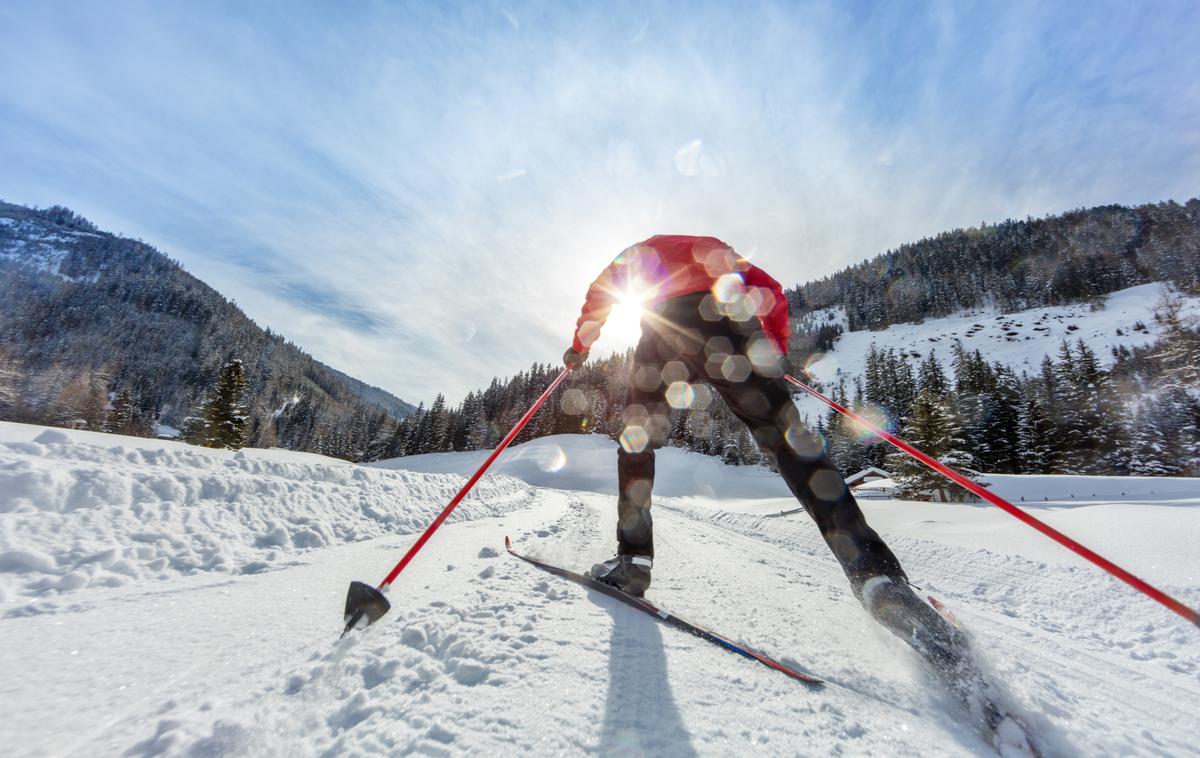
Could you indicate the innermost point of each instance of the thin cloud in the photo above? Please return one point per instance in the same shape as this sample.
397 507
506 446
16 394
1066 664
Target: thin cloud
419 196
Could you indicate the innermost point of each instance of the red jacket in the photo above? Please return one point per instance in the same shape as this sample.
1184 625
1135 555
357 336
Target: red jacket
670 265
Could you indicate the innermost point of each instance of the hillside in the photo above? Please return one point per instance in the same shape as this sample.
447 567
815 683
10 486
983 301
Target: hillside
1021 340
1016 265
85 315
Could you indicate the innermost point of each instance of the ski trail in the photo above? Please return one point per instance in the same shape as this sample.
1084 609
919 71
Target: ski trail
1078 699
483 653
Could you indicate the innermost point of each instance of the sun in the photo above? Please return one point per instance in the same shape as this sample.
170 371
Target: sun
624 325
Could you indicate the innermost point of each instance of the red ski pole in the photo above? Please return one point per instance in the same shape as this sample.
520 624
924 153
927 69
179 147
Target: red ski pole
365 600
1138 584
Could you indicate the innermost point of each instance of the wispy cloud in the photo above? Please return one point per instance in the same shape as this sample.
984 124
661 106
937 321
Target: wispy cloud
420 195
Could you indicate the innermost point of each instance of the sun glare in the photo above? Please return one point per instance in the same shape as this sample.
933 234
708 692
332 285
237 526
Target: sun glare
624 325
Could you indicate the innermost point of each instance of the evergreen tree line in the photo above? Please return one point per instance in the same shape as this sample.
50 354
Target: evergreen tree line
1016 265
1071 417
592 400
1141 417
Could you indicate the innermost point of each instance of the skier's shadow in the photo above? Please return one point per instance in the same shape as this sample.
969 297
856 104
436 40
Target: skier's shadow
640 716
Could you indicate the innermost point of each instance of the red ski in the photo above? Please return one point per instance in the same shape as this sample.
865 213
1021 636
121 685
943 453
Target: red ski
669 619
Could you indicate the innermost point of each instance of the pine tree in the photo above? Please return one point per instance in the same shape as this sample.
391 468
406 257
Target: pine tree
439 426
1036 440
931 428
972 400
195 424
931 377
225 414
123 416
841 439
1001 427
1149 451
1072 417
8 381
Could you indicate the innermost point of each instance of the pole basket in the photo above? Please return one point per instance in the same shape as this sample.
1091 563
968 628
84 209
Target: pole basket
364 602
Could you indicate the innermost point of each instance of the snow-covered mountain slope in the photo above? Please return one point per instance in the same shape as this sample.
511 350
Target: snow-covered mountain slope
484 654
1019 340
40 248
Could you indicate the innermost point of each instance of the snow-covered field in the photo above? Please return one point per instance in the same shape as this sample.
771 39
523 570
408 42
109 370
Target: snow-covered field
1020 340
165 599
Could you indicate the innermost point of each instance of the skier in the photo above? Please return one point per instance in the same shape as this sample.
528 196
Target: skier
711 316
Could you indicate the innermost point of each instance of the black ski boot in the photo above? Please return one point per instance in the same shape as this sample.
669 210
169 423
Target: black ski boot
939 642
628 573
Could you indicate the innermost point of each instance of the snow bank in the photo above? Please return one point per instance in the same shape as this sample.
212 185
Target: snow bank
1063 489
589 463
81 509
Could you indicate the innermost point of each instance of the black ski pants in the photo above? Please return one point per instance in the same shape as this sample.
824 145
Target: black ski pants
688 340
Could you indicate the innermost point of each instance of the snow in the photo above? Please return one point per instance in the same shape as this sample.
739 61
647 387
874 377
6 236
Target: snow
167 431
1020 340
32 246
82 514
589 462
157 601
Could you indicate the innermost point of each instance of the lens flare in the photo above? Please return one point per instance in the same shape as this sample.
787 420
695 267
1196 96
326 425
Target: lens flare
878 416
554 461
574 402
680 395
634 439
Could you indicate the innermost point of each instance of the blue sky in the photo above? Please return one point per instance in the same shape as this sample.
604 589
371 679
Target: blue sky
419 194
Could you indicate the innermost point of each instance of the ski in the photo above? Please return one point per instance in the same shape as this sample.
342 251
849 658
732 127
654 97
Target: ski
1004 729
669 619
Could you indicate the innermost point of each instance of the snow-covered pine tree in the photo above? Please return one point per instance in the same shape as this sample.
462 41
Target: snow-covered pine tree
839 437
122 416
481 435
1002 427
225 414
1102 432
439 426
931 428
1148 451
379 446
931 378
971 399
1071 418
1036 448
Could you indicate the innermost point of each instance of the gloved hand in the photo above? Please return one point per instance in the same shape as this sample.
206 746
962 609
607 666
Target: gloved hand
574 360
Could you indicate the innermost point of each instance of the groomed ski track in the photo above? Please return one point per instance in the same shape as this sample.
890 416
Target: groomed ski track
484 653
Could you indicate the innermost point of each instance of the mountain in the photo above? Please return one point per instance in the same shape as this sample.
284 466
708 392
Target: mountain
373 395
86 315
1016 265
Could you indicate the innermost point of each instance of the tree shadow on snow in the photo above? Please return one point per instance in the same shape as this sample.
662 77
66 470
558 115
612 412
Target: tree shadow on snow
640 716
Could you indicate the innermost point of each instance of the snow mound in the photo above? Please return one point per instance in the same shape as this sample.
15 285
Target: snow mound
77 514
589 463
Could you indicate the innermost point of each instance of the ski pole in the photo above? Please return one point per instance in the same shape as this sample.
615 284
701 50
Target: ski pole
1133 581
365 600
